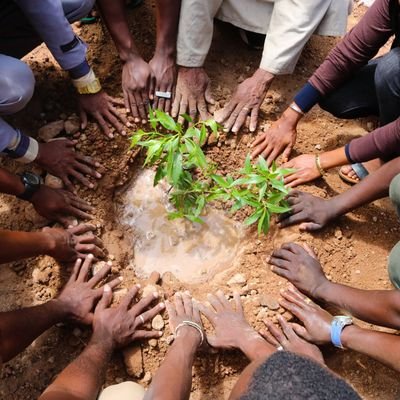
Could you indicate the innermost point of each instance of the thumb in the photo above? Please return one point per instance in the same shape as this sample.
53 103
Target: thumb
300 330
286 153
309 226
106 298
208 96
83 117
213 341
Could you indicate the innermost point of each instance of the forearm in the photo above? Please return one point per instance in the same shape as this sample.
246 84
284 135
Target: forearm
83 378
20 327
20 245
371 188
254 346
167 13
173 380
334 158
114 15
383 347
380 307
10 183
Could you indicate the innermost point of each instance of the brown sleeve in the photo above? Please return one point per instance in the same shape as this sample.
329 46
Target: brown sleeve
382 143
355 50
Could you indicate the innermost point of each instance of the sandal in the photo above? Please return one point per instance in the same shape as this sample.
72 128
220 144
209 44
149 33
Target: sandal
360 171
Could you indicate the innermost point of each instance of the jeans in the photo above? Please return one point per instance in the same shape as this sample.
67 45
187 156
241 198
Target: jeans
373 90
394 257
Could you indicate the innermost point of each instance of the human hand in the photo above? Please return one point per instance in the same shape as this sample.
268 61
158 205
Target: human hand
193 94
232 331
316 321
311 212
80 294
119 326
101 107
300 266
66 245
60 159
164 70
279 138
58 204
305 170
185 309
287 339
137 80
247 99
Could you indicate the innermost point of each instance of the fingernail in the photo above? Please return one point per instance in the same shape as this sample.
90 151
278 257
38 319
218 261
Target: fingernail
97 164
121 278
128 124
98 175
138 285
109 263
162 305
107 288
70 226
155 294
137 120
144 121
160 333
90 256
127 110
91 186
111 136
123 133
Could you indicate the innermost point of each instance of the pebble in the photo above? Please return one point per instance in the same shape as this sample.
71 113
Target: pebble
149 289
157 323
318 146
77 332
147 377
238 279
153 342
51 130
375 219
53 182
269 301
72 126
338 234
170 339
133 360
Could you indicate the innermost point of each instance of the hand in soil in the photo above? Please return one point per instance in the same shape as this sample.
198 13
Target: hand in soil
76 242
164 70
290 341
60 159
193 94
279 138
119 326
137 80
58 205
299 266
101 107
311 212
246 100
80 294
228 321
306 170
184 309
316 321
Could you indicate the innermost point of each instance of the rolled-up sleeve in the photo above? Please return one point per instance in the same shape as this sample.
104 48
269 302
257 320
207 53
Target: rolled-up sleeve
48 19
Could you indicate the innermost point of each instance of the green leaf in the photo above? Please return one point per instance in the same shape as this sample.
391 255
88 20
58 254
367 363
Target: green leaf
212 124
278 209
220 181
252 179
160 174
253 217
166 121
193 218
203 135
263 222
187 118
262 164
248 168
177 168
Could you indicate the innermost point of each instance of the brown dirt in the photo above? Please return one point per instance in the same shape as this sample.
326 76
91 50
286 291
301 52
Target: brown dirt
353 251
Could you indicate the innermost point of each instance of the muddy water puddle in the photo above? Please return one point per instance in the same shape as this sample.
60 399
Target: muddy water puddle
192 252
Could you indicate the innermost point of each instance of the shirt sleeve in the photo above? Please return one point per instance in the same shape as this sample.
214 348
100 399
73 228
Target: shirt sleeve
383 143
291 26
48 19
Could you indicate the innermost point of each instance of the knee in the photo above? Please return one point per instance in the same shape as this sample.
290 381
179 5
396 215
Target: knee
77 9
394 191
17 84
394 266
388 71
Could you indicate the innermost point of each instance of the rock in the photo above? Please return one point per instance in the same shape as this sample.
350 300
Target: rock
212 139
77 332
53 182
170 339
147 377
51 130
149 289
133 360
375 219
318 146
238 279
39 276
153 342
338 234
157 323
72 126
269 301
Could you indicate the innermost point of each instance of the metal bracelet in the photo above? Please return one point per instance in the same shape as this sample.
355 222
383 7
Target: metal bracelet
192 325
318 164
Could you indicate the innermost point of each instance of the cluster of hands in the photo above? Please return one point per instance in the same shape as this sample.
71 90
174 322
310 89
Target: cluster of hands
88 300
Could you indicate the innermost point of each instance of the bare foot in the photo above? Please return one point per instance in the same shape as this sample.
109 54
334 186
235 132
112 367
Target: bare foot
370 166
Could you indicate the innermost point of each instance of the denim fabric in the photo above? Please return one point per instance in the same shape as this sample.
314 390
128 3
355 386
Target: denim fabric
394 257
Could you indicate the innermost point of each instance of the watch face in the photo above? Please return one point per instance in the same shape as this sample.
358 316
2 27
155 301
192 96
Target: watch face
31 179
343 319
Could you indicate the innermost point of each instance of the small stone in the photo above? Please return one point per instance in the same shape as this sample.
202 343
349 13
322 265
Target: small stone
170 339
269 301
53 182
133 360
375 219
72 126
77 332
238 279
153 342
51 130
39 276
338 234
148 290
147 377
157 323
357 271
318 146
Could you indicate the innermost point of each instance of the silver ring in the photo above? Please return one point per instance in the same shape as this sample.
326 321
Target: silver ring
279 348
164 95
142 319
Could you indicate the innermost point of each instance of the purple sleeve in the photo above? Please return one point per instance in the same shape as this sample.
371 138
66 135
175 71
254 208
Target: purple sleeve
383 143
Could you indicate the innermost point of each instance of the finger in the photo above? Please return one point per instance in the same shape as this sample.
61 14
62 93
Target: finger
187 303
105 300
176 104
226 112
223 300
81 204
208 95
238 302
161 103
114 122
297 182
89 248
141 305
292 248
99 276
67 183
167 107
231 120
286 153
300 331
204 114
309 227
287 329
192 108
183 106
293 308
84 270
103 124
273 156
84 119
207 312
82 228
81 178
240 120
139 335
269 338
115 282
121 117
78 213
284 273
90 238
127 300
133 107
259 139
86 169
254 118
267 151
149 315
214 301
155 102
309 250
179 307
276 333
141 98
278 262
170 310
116 101
75 270
294 219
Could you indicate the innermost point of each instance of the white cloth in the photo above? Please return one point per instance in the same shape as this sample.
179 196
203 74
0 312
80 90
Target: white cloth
288 25
123 391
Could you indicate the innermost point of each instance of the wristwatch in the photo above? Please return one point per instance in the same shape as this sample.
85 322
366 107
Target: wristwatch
32 184
337 325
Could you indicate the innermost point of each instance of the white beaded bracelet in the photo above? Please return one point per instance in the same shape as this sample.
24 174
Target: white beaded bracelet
193 325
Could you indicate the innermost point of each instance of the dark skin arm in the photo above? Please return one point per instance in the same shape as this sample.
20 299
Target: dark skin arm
113 328
301 267
313 213
75 303
173 380
64 245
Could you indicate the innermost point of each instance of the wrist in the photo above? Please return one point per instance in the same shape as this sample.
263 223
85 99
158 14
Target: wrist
264 75
165 52
188 339
323 290
46 242
129 55
348 333
253 346
291 117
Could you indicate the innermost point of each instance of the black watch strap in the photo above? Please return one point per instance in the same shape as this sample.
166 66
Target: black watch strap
31 183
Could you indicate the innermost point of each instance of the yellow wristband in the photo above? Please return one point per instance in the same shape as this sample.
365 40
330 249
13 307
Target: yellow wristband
90 88
318 164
